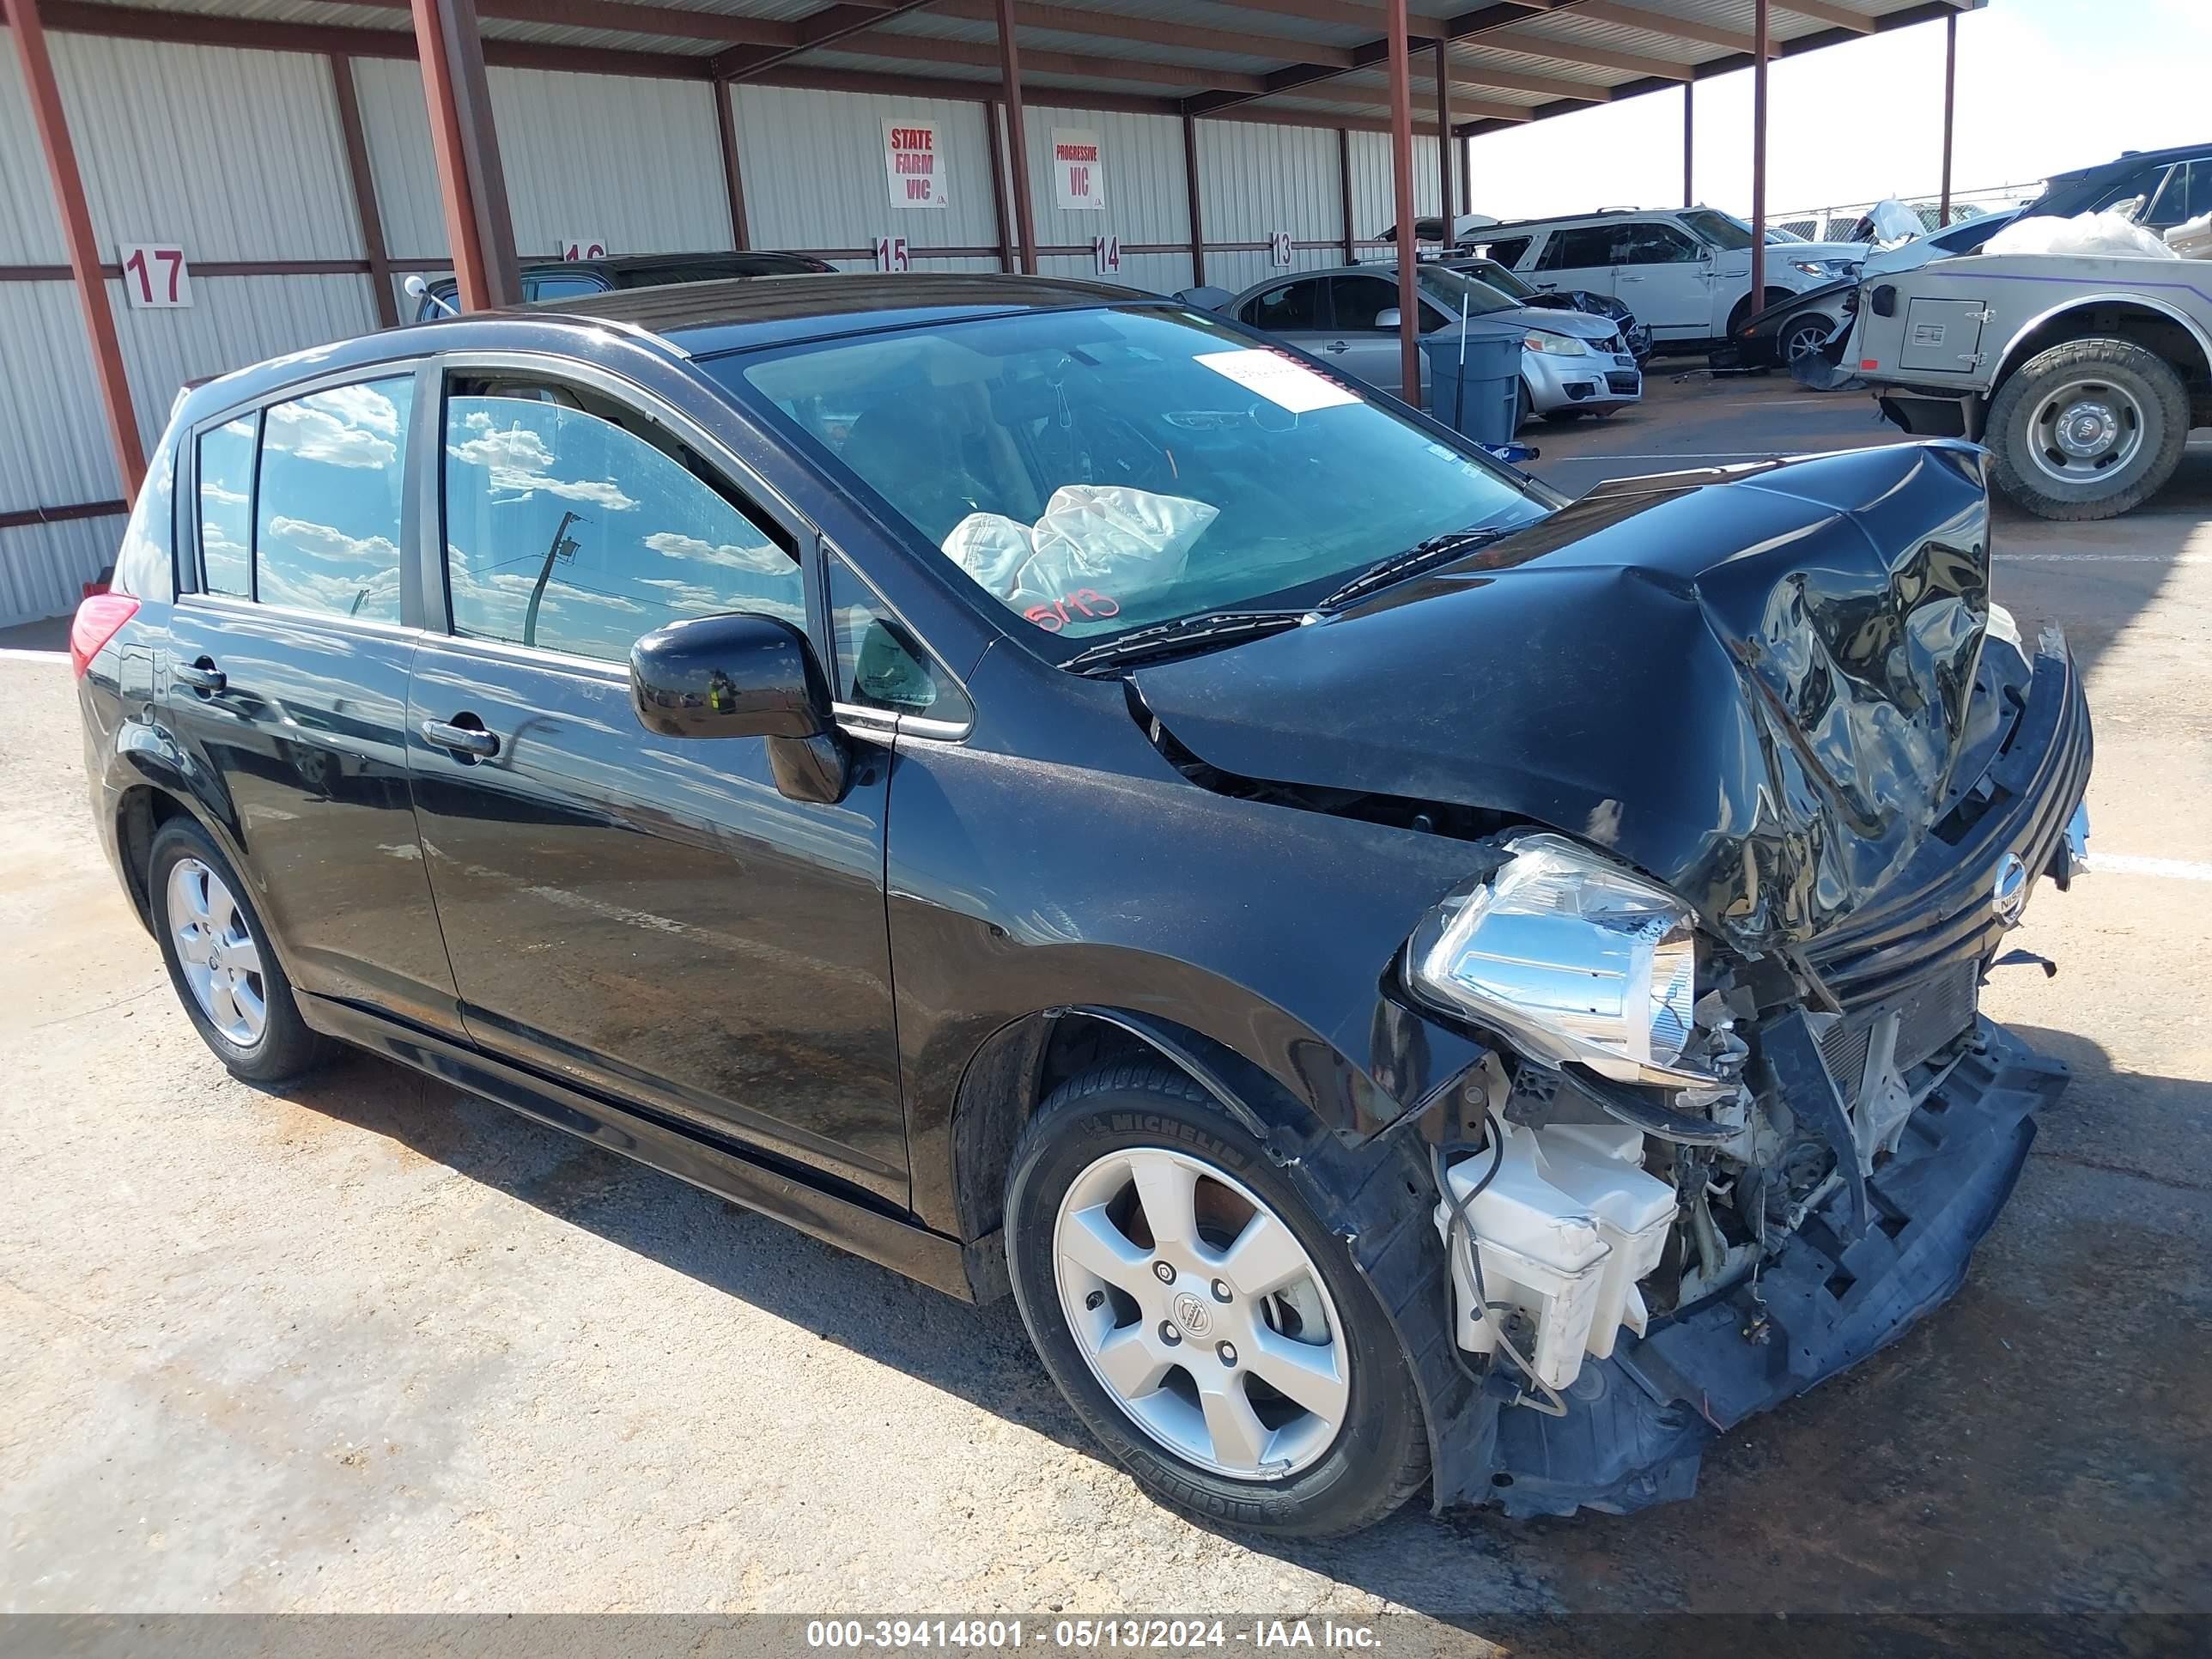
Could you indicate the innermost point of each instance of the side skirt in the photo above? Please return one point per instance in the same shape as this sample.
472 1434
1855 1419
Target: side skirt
943 1264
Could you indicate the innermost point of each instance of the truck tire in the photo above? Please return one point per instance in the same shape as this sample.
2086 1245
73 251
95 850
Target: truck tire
2088 429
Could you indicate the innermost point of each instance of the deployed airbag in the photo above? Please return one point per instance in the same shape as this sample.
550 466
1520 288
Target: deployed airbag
1091 539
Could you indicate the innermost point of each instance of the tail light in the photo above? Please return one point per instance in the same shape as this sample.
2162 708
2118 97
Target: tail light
97 620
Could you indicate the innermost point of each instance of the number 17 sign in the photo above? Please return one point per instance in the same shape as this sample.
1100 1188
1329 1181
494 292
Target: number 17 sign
154 275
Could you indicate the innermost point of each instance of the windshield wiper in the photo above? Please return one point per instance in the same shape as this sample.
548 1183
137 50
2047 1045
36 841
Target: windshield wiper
1204 630
1433 551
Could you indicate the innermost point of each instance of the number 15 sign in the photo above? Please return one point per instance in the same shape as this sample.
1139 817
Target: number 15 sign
154 276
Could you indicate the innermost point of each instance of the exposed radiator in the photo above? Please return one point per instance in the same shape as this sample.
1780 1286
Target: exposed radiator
1932 1012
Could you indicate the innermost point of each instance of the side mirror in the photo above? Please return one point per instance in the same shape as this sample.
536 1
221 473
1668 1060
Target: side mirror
737 676
1389 317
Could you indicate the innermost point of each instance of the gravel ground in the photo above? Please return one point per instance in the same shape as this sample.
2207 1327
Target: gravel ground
367 1345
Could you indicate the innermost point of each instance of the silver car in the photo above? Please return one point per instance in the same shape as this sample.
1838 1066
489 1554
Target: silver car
1572 364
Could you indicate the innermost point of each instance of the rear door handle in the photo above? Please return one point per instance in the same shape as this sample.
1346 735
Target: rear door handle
470 740
1337 347
201 676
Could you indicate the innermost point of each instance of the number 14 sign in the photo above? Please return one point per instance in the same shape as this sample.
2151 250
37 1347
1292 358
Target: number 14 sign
154 276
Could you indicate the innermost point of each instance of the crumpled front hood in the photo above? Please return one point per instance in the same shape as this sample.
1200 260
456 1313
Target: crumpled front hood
1755 686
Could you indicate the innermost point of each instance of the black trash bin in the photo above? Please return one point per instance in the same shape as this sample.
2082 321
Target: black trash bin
1480 397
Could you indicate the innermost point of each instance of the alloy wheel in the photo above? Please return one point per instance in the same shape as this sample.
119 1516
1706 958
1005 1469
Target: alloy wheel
1200 1313
220 956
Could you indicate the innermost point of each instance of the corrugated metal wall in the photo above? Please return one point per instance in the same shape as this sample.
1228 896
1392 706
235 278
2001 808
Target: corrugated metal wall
1254 180
237 155
635 162
234 154
813 166
1373 203
1147 196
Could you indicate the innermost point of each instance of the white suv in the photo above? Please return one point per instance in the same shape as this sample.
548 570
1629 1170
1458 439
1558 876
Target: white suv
1686 273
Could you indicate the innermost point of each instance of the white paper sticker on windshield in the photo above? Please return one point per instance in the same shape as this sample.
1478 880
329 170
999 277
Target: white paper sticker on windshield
1277 379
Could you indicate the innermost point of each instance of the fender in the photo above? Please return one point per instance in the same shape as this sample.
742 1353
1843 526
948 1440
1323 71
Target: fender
2173 314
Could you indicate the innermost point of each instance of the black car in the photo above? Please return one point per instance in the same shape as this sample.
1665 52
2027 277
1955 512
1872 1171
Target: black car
1637 336
1405 979
2175 186
577 279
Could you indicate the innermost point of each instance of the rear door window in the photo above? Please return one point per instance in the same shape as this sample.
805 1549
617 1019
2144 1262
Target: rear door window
326 515
575 524
1651 242
226 504
1281 310
1583 248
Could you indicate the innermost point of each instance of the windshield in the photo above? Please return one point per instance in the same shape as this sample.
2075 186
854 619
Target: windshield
1099 471
1728 234
1497 275
1449 288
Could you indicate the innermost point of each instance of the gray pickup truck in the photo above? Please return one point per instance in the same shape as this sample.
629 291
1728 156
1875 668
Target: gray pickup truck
2082 375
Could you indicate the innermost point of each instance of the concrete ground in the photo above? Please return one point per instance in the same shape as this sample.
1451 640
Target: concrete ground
369 1345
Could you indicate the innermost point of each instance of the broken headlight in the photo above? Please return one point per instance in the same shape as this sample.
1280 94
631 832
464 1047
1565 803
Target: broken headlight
1572 956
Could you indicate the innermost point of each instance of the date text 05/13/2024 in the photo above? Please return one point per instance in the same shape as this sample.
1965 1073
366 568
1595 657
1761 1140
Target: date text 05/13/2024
1104 1635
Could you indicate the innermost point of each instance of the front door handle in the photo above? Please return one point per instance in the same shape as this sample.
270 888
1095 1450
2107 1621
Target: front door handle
1336 346
473 741
201 676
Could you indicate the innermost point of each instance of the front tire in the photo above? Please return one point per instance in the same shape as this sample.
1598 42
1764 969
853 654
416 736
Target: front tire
226 973
1201 1318
2088 429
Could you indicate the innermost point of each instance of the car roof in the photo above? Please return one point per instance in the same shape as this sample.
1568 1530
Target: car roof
1491 232
707 318
2132 159
632 264
688 320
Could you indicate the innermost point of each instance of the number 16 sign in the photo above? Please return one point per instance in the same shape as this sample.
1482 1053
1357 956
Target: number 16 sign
154 275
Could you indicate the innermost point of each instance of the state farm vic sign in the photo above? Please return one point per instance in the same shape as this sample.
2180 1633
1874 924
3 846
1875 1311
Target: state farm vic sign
913 164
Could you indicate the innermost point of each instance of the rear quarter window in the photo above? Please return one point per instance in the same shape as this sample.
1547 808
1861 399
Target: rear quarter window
145 564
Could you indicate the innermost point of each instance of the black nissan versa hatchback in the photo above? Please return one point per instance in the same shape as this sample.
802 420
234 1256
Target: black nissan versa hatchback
1405 978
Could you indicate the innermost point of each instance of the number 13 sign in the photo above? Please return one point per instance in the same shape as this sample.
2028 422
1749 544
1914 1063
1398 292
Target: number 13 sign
154 276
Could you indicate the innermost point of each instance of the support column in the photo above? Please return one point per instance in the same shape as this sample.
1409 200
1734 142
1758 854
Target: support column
733 177
1401 180
466 145
1197 217
1689 143
1758 158
46 113
1010 68
993 114
364 192
1444 142
1344 193
1950 98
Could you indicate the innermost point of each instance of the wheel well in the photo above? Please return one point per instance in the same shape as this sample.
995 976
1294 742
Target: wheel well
1744 308
2117 320
139 817
1017 1070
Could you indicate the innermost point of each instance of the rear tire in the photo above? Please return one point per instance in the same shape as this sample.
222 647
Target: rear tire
220 960
1193 1360
2088 429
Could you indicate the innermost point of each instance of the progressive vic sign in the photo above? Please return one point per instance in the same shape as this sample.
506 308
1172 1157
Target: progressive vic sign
1078 177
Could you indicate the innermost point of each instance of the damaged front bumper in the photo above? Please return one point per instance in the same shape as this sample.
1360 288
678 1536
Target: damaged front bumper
1639 1422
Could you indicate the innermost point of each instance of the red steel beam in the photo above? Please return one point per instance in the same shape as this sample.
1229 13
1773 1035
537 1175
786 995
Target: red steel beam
1689 142
1444 140
1950 97
52 122
1018 147
1197 217
364 192
1344 192
1759 58
992 117
469 181
1402 172
733 176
